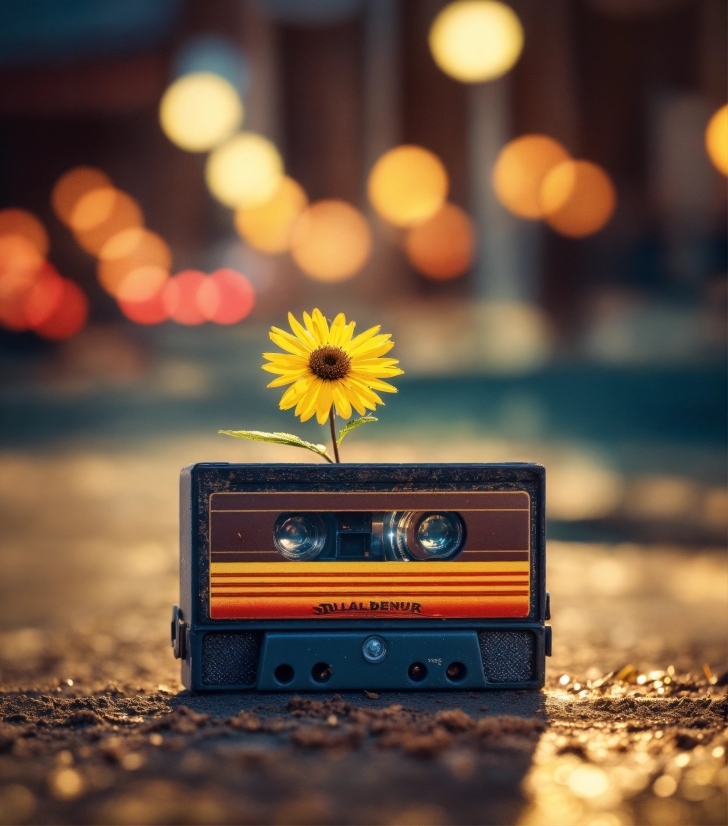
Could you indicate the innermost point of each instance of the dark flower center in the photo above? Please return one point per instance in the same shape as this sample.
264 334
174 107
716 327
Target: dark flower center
329 363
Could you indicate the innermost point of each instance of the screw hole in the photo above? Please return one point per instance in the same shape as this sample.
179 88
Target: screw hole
417 672
284 674
322 672
456 672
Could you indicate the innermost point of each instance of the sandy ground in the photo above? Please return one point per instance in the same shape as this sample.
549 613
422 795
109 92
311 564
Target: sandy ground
96 729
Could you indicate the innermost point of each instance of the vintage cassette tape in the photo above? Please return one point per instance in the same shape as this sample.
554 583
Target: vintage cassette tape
342 577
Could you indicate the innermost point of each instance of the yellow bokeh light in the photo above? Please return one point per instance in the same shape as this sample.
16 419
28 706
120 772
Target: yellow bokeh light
442 248
26 225
716 139
331 240
199 111
578 198
520 170
245 171
476 40
268 227
408 185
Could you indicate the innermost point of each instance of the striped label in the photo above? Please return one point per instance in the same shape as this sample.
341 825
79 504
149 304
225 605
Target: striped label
249 579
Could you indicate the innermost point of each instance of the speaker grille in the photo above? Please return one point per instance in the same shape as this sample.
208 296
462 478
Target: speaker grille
230 659
508 656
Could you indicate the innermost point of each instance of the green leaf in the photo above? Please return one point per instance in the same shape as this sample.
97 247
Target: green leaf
276 438
353 424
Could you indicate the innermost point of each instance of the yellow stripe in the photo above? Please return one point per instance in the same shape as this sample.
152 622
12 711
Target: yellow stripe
390 569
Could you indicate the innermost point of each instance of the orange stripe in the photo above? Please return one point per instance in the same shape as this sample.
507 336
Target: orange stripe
376 573
369 594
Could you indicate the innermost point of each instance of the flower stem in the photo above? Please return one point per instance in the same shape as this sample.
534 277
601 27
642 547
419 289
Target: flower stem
333 435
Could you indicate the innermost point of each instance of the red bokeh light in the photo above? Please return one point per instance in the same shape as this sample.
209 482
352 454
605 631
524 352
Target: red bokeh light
45 296
180 297
68 317
149 311
234 297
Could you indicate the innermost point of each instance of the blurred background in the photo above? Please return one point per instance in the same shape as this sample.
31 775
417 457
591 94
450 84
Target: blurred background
531 197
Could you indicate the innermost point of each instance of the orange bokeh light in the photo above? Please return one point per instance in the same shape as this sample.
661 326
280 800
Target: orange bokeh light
226 297
520 170
134 249
101 214
22 223
407 185
331 240
72 186
150 311
142 283
180 297
69 315
578 198
268 227
19 265
443 247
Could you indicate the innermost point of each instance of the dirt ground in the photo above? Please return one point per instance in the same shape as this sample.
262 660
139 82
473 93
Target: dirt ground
631 728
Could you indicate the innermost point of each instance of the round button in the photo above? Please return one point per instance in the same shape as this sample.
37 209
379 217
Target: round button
374 649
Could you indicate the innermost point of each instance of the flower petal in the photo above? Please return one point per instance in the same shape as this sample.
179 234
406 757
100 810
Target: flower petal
343 405
361 338
338 327
369 397
370 381
288 378
371 347
321 326
289 342
352 395
301 333
294 394
323 404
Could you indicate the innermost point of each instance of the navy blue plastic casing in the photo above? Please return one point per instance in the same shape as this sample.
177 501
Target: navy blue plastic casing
326 654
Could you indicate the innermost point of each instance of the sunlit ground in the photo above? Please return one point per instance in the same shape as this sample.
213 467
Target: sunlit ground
89 572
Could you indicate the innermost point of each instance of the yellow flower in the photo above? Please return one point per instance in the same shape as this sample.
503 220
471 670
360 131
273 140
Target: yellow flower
329 365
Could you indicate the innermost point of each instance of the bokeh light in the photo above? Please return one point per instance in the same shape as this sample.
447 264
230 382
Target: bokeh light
578 198
234 299
150 311
24 224
199 111
19 265
331 240
72 186
408 185
44 297
519 172
68 317
443 247
141 283
476 40
127 252
180 297
268 227
245 171
101 214
716 139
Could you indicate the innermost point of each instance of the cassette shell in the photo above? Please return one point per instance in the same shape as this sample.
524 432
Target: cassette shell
279 643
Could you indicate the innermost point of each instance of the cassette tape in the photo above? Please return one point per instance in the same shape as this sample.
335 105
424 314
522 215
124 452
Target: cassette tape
343 577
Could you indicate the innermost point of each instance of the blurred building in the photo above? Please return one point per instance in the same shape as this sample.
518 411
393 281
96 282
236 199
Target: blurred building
628 85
